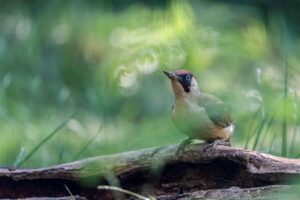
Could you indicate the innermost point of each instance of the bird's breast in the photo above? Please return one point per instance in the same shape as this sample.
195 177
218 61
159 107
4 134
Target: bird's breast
194 122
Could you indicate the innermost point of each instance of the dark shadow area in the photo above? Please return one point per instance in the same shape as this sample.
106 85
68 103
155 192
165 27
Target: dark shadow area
189 177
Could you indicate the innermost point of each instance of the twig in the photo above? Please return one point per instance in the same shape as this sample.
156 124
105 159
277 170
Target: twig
106 187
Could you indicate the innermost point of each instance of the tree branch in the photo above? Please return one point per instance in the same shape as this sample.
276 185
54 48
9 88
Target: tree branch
155 171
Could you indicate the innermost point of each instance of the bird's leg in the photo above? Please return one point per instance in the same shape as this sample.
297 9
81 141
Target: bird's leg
218 142
228 142
156 151
182 146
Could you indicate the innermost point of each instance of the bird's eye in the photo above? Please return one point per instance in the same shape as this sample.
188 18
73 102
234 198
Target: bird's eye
188 78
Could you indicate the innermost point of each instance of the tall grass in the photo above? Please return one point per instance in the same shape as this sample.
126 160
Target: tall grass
43 141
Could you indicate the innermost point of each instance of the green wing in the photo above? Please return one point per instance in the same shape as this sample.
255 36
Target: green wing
216 110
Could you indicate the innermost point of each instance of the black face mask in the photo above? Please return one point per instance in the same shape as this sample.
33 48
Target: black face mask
185 80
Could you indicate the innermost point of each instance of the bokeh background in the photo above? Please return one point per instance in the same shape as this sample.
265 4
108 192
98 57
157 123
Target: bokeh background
103 61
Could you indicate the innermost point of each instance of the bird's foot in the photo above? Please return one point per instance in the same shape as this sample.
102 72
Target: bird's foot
156 151
182 146
215 143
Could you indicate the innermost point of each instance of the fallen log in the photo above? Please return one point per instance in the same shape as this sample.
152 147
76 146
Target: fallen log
158 172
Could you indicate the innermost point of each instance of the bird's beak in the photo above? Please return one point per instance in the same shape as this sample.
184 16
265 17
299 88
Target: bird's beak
169 74
172 75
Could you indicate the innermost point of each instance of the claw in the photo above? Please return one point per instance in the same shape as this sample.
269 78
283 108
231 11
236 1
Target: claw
215 143
182 146
156 151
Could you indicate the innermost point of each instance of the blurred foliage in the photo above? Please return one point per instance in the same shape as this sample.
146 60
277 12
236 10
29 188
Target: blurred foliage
105 58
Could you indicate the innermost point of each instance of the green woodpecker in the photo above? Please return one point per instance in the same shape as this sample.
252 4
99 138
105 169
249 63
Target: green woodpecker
196 114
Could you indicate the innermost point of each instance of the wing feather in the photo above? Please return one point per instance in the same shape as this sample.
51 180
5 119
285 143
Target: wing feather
217 111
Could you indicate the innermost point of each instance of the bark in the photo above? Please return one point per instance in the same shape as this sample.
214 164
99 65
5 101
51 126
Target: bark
158 172
258 193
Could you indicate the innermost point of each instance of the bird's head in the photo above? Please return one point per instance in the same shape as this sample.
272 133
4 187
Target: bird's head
183 82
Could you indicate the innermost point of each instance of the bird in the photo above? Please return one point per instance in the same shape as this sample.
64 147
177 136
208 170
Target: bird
197 114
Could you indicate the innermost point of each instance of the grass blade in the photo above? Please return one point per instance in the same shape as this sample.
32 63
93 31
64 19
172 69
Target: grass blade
113 188
268 126
262 109
61 153
70 193
284 122
258 133
284 143
20 155
83 149
250 128
295 116
42 142
272 141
